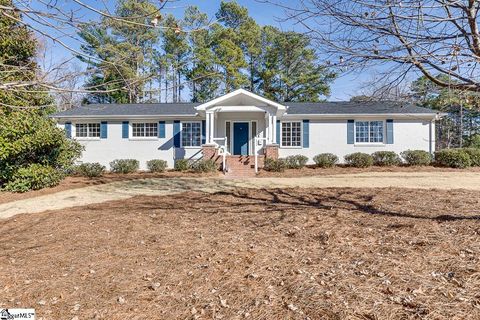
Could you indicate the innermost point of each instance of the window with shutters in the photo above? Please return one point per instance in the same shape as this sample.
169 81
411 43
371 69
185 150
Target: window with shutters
145 130
87 130
369 131
191 134
291 134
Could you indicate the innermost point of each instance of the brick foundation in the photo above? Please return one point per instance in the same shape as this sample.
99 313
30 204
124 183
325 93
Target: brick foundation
210 152
271 151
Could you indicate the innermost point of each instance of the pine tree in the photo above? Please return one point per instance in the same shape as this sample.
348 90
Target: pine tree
124 53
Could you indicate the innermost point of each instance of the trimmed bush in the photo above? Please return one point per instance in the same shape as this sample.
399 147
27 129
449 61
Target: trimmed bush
182 165
90 169
204 165
453 158
386 158
325 160
474 154
124 165
33 177
417 157
157 165
275 165
296 162
359 160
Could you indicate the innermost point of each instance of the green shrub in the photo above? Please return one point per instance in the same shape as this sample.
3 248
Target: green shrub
325 160
386 158
157 165
296 162
204 165
359 160
33 177
275 165
90 170
474 154
182 165
453 158
474 141
28 140
124 165
417 157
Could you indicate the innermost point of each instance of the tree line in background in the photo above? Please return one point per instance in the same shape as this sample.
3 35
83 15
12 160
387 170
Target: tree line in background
132 63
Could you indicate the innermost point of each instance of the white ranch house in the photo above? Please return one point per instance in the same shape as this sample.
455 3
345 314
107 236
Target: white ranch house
241 124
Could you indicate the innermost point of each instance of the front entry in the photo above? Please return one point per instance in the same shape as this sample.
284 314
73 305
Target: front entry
240 138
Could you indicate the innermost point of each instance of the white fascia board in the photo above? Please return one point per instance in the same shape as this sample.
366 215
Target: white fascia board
413 116
230 95
126 117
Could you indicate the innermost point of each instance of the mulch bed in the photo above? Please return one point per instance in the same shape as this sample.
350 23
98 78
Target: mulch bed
250 254
342 169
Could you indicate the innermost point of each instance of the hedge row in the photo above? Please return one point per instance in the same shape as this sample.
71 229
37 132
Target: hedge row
453 158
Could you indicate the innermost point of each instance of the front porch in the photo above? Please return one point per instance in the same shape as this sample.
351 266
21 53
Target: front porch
241 125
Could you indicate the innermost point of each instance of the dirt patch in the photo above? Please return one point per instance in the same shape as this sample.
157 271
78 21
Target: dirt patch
259 254
75 182
341 169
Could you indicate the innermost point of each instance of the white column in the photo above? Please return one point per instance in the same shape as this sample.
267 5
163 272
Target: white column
274 127
207 128
212 126
267 127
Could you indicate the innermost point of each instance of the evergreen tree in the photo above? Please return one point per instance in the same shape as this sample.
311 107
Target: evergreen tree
176 50
202 76
33 151
124 53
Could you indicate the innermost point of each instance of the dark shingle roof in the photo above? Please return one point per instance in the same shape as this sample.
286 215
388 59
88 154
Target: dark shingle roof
186 109
380 107
140 109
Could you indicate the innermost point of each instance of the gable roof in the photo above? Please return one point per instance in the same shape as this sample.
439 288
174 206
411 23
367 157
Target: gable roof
189 109
240 94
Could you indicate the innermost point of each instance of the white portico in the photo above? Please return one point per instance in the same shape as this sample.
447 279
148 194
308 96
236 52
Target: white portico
238 118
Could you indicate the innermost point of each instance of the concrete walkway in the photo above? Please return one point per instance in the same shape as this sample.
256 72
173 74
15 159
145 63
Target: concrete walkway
127 189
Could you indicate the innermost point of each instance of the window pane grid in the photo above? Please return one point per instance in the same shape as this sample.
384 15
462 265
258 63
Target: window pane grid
87 130
368 131
144 130
291 134
191 134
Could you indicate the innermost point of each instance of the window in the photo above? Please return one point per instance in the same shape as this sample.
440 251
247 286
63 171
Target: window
191 134
87 130
292 134
145 130
369 131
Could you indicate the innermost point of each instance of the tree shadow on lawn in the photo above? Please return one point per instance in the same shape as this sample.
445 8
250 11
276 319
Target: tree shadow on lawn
344 199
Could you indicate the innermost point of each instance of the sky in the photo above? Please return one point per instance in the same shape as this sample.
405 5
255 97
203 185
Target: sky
343 88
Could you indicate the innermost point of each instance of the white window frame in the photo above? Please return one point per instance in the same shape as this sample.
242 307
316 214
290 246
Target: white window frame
281 135
132 137
181 135
88 137
368 134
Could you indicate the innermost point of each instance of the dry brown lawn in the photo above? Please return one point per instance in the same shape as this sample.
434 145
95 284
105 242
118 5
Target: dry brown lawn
250 254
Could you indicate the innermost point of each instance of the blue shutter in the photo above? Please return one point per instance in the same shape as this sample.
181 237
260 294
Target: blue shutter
103 130
351 131
68 129
278 132
176 134
161 129
306 133
125 130
389 131
204 128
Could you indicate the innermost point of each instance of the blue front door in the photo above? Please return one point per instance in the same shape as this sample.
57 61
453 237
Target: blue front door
240 138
